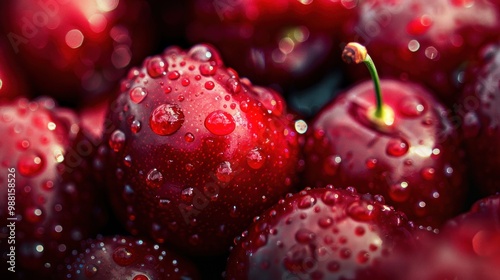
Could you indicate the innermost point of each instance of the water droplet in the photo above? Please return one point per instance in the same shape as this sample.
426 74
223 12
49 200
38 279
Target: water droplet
154 178
123 256
224 172
90 270
428 173
331 164
412 107
167 90
173 75
140 277
166 119
117 140
399 192
397 147
306 202
345 253
137 94
135 126
185 82
127 161
189 137
363 257
33 214
30 163
156 67
331 198
304 236
203 53
207 69
359 231
187 194
220 123
209 85
234 85
371 163
361 211
255 159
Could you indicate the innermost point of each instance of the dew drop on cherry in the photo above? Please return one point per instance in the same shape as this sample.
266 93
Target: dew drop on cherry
185 82
117 140
371 163
399 192
255 159
331 164
397 147
156 67
224 172
166 119
30 163
207 69
209 85
154 178
428 173
138 94
220 123
189 137
304 236
135 126
123 256
140 277
361 211
173 75
412 107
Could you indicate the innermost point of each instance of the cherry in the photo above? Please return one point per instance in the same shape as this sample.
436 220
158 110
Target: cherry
76 51
403 147
426 41
46 157
479 120
323 233
286 42
193 152
124 257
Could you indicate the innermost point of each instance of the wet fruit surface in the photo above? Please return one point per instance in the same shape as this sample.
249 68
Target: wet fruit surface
323 233
57 202
198 156
415 163
123 257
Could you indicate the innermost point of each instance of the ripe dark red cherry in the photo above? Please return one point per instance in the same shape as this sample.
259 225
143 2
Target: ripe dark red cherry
195 152
324 233
46 158
426 42
410 153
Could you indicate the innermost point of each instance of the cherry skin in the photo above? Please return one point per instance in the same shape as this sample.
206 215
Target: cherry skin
194 152
410 154
287 43
323 233
426 42
480 118
47 159
76 51
125 257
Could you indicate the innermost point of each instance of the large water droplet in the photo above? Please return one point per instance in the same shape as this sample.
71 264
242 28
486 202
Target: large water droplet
154 178
156 67
173 75
207 69
117 140
203 53
166 119
30 163
141 277
304 236
331 164
428 173
123 256
220 123
397 147
224 172
361 211
255 159
306 202
209 85
189 137
399 192
138 94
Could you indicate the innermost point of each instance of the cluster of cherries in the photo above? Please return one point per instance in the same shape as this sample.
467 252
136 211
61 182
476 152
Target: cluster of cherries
242 147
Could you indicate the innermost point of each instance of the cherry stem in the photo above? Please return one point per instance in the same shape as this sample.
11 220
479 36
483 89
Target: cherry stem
357 53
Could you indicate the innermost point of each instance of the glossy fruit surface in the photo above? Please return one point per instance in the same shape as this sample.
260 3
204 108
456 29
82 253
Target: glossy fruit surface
426 41
323 233
195 152
284 42
53 201
480 120
76 51
415 163
124 257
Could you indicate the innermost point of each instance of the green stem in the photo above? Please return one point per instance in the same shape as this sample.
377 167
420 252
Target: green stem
376 82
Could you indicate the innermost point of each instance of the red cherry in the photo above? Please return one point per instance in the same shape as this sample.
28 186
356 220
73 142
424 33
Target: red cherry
410 154
425 41
479 119
46 157
322 233
285 42
123 257
191 166
76 51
